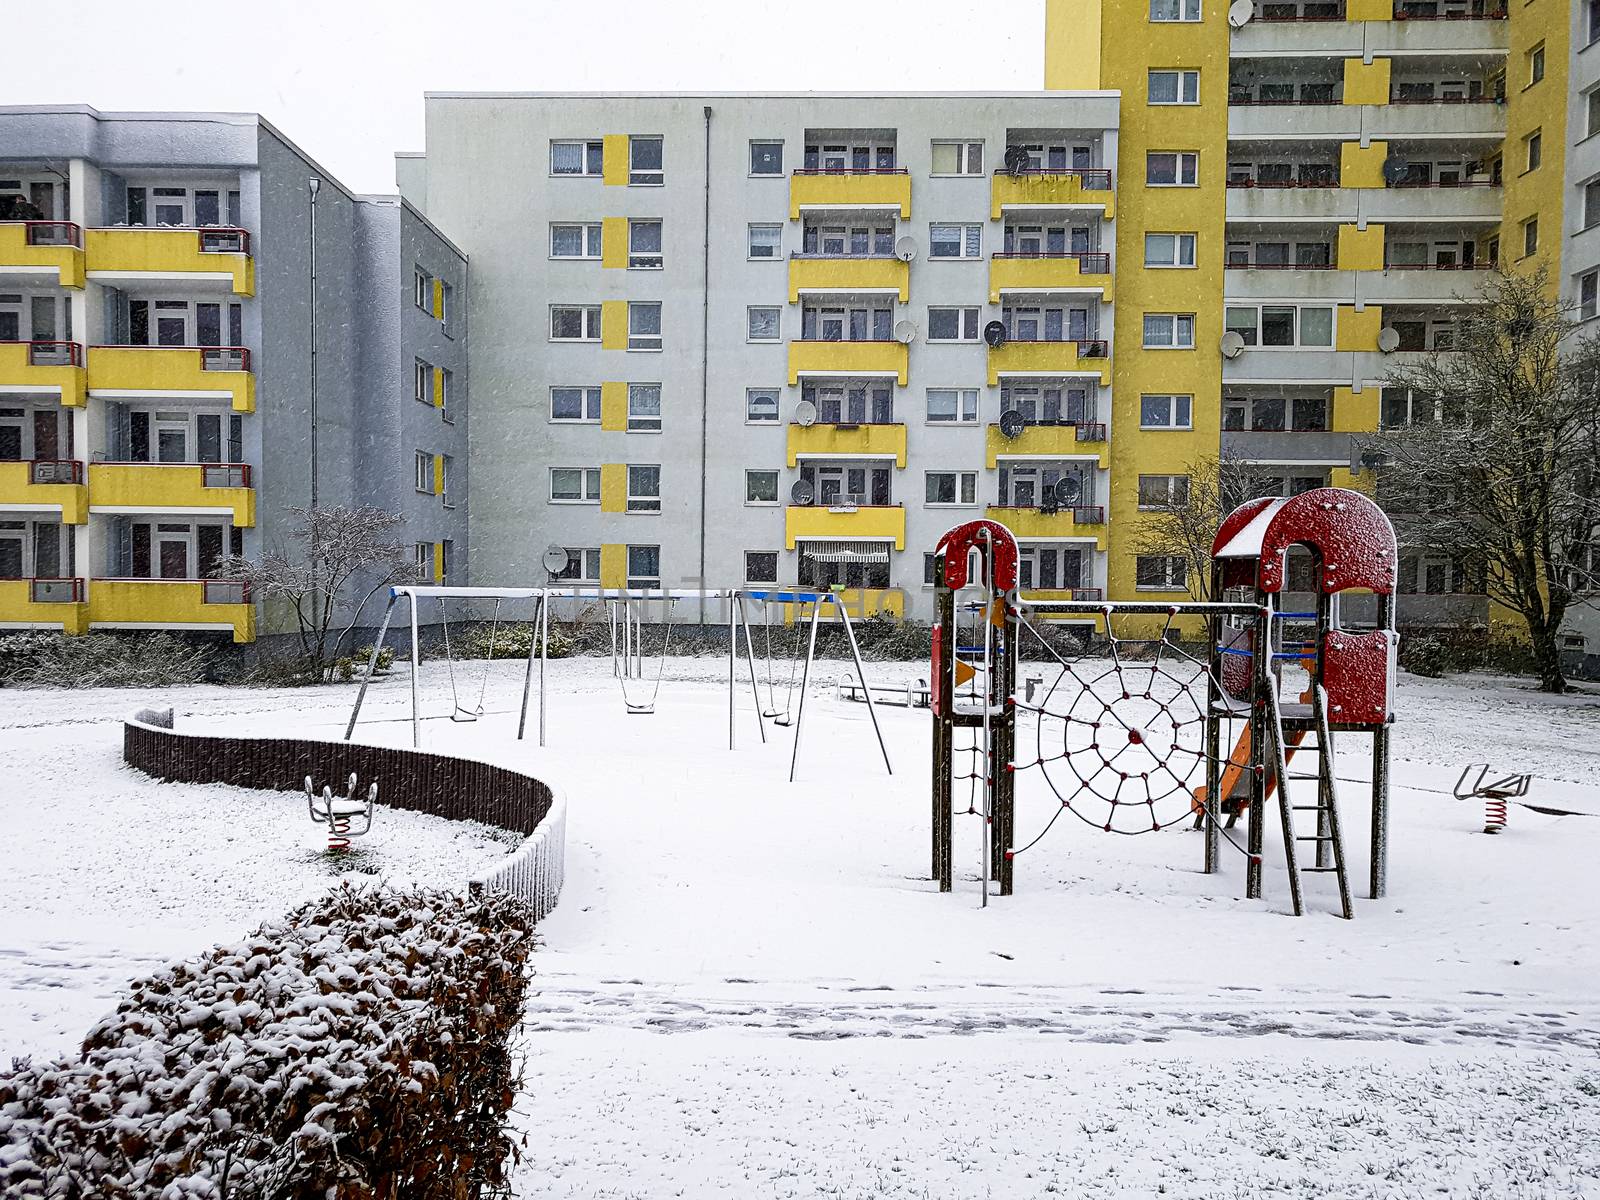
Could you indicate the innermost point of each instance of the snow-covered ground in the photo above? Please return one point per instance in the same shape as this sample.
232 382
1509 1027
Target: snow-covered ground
764 994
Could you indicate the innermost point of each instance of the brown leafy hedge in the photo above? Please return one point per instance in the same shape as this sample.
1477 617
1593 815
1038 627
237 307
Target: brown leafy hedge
357 1048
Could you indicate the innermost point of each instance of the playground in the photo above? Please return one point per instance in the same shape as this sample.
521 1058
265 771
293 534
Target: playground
753 986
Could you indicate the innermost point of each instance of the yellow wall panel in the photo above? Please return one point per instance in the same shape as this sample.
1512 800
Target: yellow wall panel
1362 167
438 387
614 324
1360 249
613 565
438 298
1355 412
1369 10
438 474
1358 330
1072 45
1366 83
614 163
614 406
614 242
1538 106
613 487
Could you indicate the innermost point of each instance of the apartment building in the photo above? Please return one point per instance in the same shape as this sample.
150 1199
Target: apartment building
1334 177
201 329
740 339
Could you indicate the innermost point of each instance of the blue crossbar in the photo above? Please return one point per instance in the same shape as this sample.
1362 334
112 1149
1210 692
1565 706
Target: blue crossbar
1235 650
1295 616
791 597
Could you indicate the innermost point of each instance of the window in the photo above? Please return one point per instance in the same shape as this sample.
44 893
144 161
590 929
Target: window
1275 414
1530 236
955 241
761 405
852 401
1591 204
766 158
447 306
575 404
644 408
1163 491
863 321
644 245
1536 64
644 489
952 324
1534 146
575 241
760 487
1171 168
644 566
958 158
929 570
645 162
1280 325
422 290
1165 411
1160 572
761 323
577 158
951 487
424 480
644 326
1169 249
1174 10
1589 296
445 463
854 240
583 565
1592 98
1169 331
424 559
766 241
446 395
422 382
574 322
1174 87
950 406
1048 323
575 485
761 566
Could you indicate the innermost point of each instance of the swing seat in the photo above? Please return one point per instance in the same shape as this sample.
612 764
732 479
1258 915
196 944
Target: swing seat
465 716
640 710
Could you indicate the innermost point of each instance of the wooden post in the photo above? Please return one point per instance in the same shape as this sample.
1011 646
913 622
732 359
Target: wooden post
1261 679
943 731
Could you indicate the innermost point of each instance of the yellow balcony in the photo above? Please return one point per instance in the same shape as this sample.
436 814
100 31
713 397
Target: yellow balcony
879 522
1088 188
1084 521
42 248
173 604
213 371
818 274
887 188
1050 358
44 367
848 358
218 254
1049 273
45 484
1049 441
174 487
43 603
847 441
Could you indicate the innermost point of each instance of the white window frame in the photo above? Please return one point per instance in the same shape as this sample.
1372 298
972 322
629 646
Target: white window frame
422 290
644 341
1167 584
1254 340
969 157
755 174
1182 159
589 400
750 312
646 260
964 485
1177 320
1175 489
642 581
424 473
1588 295
1182 246
445 472
776 560
590 234
966 322
587 556
422 381
647 176
591 322
750 246
643 501
777 406
965 406
639 395
776 481
969 234
588 486
1174 401
586 145
1188 12
1186 86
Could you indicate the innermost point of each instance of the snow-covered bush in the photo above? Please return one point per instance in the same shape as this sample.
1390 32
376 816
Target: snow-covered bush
509 640
101 660
1425 655
356 1048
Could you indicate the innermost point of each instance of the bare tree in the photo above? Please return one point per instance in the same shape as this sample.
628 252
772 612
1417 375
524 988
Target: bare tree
1496 465
338 553
1183 524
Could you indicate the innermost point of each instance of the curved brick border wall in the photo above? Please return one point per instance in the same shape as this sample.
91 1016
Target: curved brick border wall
458 789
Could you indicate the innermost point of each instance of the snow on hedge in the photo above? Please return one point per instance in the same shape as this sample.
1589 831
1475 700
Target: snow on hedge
358 1044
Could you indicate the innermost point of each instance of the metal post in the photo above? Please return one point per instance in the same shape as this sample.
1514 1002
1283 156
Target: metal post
861 675
1213 729
750 661
544 657
805 675
527 677
1261 679
611 610
989 680
1380 778
372 665
943 737
416 721
733 643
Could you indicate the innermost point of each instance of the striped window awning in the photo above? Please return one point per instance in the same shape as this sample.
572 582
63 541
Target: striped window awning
847 552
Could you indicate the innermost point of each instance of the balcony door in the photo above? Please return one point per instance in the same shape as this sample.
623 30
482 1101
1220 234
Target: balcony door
13 434
10 316
13 541
181 323
174 545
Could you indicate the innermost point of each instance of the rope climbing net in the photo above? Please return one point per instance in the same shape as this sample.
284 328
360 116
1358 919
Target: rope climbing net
1118 737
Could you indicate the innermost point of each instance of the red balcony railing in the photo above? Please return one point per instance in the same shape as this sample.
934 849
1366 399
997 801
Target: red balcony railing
224 239
1471 266
55 470
1082 514
1474 12
1091 179
51 354
851 171
1247 102
1087 347
1327 182
1090 262
1250 265
1445 183
53 233
1285 13
55 591
1091 431
1445 100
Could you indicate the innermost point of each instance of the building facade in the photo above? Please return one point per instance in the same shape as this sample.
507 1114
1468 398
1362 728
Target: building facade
768 340
200 330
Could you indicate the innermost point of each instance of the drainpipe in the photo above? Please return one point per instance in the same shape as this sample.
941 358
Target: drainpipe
705 360
315 185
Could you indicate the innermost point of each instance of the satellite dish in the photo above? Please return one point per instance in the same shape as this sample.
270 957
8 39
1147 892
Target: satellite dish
995 334
1240 12
1047 500
805 413
1388 339
1069 489
802 492
1395 170
555 559
905 331
1016 159
1232 344
905 249
1012 423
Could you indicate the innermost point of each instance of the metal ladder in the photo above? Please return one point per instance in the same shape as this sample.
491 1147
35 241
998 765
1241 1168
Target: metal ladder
1327 839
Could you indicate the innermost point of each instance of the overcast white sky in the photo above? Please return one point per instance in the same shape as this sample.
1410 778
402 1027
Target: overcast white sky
344 78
